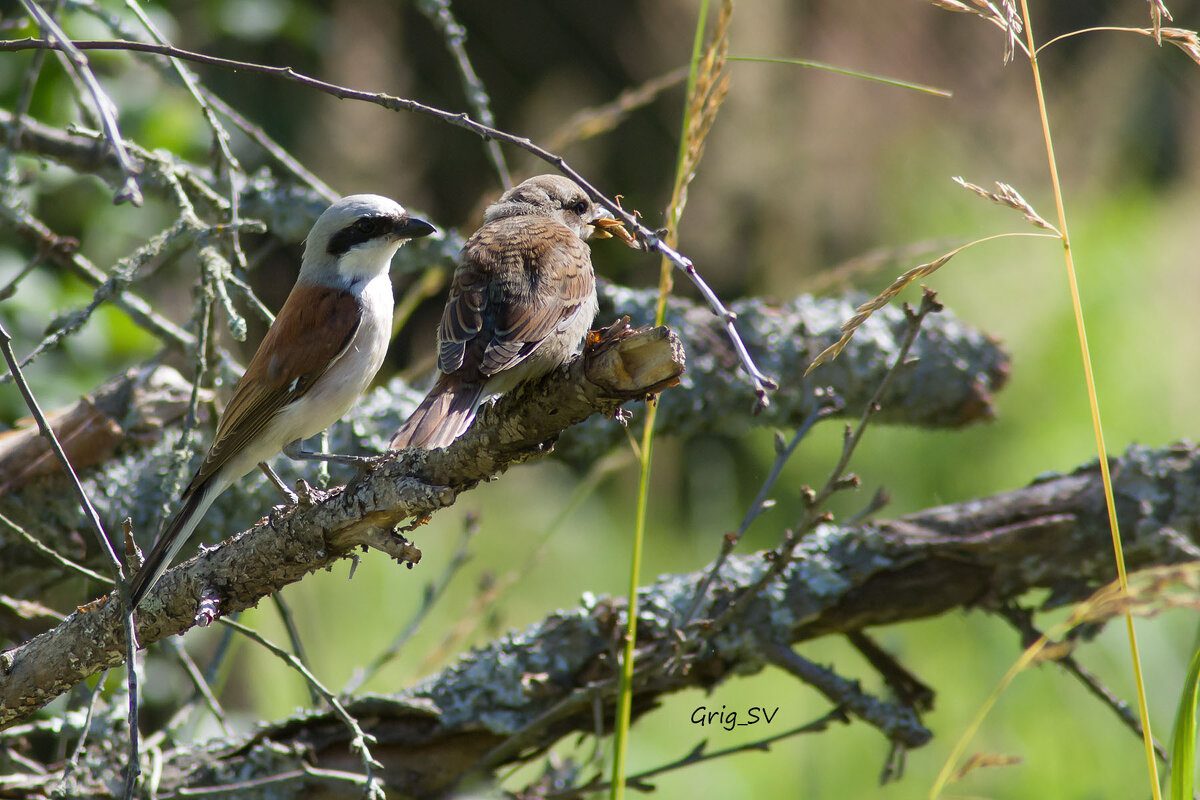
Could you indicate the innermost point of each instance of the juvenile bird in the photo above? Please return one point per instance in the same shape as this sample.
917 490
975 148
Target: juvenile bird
318 357
521 302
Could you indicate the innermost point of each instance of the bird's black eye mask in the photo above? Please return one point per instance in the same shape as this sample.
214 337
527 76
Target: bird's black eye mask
363 229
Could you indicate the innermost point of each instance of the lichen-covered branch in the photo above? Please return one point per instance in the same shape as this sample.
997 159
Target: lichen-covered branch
411 485
951 385
538 685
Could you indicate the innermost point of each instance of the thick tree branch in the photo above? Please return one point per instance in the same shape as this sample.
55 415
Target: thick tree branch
951 385
625 365
538 685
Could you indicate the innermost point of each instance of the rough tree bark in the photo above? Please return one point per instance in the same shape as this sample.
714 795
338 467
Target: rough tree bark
534 687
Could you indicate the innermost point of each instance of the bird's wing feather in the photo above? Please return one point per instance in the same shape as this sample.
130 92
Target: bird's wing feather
508 322
319 324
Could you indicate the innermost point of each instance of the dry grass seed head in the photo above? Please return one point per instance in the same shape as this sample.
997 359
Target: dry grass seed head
1158 12
709 89
1008 21
1185 40
979 760
597 120
1151 591
864 312
1006 195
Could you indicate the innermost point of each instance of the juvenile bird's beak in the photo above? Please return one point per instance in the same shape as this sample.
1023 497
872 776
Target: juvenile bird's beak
412 228
598 227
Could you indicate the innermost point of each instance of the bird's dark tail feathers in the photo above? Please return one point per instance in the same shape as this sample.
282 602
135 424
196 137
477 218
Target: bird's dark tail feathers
444 415
177 532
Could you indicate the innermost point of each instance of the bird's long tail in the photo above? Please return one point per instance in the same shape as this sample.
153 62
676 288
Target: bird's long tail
444 415
178 531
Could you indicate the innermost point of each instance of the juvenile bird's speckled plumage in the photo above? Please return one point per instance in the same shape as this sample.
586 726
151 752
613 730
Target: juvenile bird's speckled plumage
521 302
319 356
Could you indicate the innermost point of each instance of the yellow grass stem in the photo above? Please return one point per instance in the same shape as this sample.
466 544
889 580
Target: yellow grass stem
1143 711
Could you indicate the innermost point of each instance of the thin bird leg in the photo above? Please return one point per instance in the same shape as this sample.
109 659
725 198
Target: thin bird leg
278 483
297 453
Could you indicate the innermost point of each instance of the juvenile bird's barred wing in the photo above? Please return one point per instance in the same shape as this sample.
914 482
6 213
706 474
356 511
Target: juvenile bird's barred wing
498 313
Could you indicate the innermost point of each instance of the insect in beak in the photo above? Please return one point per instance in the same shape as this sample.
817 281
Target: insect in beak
608 228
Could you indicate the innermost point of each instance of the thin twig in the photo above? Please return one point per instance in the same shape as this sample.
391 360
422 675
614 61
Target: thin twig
185 448
77 751
28 83
439 14
697 755
650 240
227 163
93 518
247 294
35 410
129 191
289 625
255 133
433 592
10 288
783 453
252 786
54 555
223 648
175 643
360 740
898 723
1022 620
181 232
74 321
837 480
63 251
259 136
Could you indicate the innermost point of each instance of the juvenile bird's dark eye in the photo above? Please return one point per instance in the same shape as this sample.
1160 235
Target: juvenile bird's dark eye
579 207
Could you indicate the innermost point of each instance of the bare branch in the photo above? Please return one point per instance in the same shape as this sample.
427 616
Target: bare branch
439 14
105 110
650 240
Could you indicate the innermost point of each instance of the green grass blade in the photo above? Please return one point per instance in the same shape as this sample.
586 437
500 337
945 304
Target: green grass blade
1183 743
800 62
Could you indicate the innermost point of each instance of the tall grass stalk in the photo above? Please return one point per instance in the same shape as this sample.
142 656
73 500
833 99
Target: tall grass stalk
704 94
1143 710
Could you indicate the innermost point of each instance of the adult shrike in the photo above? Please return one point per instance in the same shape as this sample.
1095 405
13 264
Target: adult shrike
318 357
521 302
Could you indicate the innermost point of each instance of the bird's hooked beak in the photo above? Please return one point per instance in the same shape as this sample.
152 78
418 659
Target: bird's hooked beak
412 228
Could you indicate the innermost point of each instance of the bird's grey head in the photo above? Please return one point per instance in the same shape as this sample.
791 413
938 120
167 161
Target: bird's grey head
548 196
357 236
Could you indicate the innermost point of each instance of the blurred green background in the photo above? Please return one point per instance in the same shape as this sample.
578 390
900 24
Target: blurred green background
804 171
